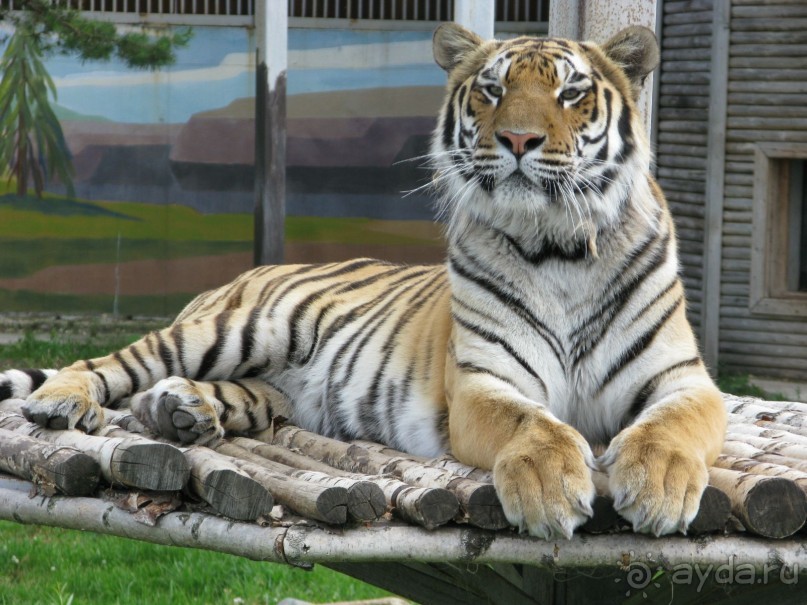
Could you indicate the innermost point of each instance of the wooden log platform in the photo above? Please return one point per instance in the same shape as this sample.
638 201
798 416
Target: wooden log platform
414 515
758 484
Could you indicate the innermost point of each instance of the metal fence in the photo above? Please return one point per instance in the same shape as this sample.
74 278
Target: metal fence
511 15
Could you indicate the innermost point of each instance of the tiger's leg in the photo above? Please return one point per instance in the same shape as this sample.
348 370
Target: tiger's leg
210 348
541 466
192 411
658 466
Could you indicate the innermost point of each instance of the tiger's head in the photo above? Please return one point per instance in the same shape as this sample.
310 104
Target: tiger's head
541 130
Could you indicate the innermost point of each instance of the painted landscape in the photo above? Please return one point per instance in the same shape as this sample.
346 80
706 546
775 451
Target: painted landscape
164 171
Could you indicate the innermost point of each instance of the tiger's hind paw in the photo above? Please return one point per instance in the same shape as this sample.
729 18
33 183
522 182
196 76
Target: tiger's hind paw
175 408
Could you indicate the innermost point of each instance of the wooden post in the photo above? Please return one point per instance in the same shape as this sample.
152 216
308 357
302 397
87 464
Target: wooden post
715 175
271 21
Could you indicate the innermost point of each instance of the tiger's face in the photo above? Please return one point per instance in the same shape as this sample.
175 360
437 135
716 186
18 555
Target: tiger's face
541 129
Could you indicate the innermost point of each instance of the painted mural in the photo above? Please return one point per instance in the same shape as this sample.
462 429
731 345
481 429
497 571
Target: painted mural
164 168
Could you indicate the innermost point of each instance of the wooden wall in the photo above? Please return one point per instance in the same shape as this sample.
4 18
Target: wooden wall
683 113
767 83
766 88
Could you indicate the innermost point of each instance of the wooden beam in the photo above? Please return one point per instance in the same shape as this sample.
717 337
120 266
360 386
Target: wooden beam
715 168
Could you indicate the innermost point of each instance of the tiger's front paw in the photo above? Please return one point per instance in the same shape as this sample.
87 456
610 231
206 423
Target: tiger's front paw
175 408
66 401
656 483
545 485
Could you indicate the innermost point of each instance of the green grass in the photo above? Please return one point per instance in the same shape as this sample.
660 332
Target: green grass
60 350
32 302
43 565
739 384
49 565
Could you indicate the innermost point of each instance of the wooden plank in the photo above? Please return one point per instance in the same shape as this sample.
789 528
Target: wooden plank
765 2
739 178
688 101
693 126
671 8
690 29
762 98
487 582
757 12
683 138
766 123
770 63
791 37
693 16
698 41
770 335
773 87
747 323
767 75
684 54
759 136
686 78
412 581
766 364
681 185
769 25
682 89
681 173
763 49
683 161
699 65
737 210
777 111
683 113
666 151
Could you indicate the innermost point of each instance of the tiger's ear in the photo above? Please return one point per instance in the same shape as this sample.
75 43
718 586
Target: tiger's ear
634 49
451 43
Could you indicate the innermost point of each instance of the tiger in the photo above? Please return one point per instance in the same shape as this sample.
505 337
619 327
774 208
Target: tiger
552 342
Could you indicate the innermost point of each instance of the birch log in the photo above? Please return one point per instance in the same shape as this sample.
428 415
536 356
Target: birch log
767 506
304 545
769 440
365 500
316 499
51 467
228 489
427 507
128 462
478 500
789 413
742 449
217 481
755 467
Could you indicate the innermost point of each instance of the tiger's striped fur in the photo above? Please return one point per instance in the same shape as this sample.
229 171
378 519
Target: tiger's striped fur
557 325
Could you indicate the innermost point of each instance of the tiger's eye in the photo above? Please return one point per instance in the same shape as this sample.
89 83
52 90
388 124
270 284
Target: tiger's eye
495 91
570 94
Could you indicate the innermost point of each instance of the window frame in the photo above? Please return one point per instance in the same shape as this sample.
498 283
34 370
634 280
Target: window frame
769 292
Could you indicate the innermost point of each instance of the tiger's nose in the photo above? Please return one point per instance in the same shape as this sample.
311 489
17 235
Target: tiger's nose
519 144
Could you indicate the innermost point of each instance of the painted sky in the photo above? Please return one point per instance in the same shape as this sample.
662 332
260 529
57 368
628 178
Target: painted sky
218 67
